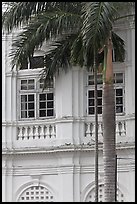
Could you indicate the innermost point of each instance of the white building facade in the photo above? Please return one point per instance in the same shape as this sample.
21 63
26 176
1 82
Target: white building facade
48 148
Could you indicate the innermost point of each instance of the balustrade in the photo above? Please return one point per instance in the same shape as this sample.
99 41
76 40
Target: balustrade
33 132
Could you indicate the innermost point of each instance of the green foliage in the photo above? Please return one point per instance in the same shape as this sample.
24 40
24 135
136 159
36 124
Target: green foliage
75 29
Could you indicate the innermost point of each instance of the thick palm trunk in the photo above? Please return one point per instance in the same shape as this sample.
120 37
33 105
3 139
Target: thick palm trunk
96 130
109 147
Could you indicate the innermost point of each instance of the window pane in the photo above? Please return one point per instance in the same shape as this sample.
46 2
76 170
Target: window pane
91 94
99 101
30 105
37 62
119 92
99 79
42 105
50 112
23 98
119 109
42 113
31 81
23 82
99 110
119 77
42 97
30 114
99 93
50 104
119 100
50 96
91 110
30 84
23 106
23 114
23 87
30 97
91 102
91 80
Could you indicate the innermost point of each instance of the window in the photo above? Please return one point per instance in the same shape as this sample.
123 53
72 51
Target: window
33 194
35 62
119 93
34 101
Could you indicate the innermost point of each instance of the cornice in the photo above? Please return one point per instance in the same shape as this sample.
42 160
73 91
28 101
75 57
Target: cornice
68 148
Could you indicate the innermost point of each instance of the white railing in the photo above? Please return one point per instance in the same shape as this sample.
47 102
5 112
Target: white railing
36 132
90 131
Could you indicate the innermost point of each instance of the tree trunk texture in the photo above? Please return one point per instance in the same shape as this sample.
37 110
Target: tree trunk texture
109 151
108 119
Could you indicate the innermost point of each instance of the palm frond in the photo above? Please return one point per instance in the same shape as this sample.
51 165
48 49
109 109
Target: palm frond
20 13
98 19
43 27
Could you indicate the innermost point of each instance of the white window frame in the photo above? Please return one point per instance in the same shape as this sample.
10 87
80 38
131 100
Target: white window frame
100 87
36 91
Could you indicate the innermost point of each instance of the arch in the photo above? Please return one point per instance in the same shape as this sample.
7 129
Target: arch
33 187
88 193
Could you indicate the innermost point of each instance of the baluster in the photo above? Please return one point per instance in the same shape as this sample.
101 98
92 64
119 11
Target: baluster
93 130
88 131
47 131
42 132
53 133
31 133
25 133
123 130
36 132
20 133
117 129
100 132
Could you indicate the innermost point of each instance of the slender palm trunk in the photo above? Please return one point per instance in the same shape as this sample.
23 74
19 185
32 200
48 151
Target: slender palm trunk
109 147
96 131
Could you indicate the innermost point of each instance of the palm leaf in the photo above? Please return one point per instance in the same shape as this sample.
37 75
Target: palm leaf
42 27
98 19
18 14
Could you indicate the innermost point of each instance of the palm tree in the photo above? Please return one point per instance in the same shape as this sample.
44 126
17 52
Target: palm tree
81 30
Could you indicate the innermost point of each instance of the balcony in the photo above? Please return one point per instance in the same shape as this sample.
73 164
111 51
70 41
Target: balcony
47 134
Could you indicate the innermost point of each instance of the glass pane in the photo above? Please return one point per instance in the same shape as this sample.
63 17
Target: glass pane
42 105
42 97
99 93
42 113
119 100
30 97
99 110
91 110
119 109
30 86
50 96
50 112
91 102
90 80
90 94
23 98
119 77
37 62
50 104
23 82
31 81
119 92
23 87
23 114
23 106
30 114
99 79
30 105
99 101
